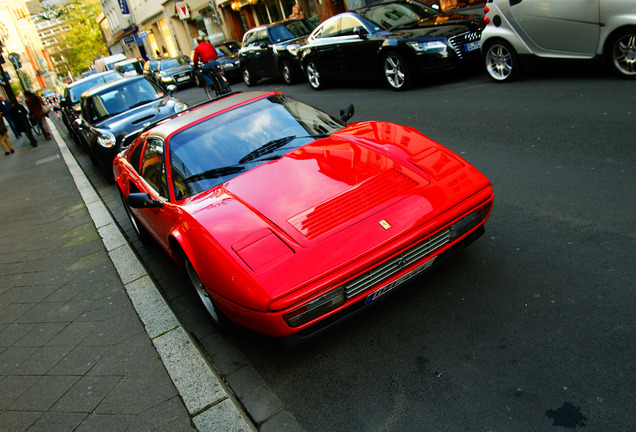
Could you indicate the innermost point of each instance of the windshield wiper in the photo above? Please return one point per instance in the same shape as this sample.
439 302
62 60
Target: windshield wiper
215 173
141 103
270 146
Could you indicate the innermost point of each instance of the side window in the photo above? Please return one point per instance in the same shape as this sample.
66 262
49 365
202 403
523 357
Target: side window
153 167
331 29
347 25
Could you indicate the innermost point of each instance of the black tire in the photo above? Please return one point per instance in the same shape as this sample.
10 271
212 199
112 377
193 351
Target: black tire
315 78
210 91
501 61
141 232
621 53
248 76
396 71
288 72
223 324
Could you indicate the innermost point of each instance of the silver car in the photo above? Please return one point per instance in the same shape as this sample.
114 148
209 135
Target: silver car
566 29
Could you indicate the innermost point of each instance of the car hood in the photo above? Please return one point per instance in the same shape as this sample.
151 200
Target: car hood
300 217
444 24
138 117
176 70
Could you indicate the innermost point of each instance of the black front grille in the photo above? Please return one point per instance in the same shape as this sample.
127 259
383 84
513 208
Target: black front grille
459 42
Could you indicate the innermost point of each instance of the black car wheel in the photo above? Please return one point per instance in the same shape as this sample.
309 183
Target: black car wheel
622 54
396 71
223 324
248 77
316 81
501 60
141 232
288 72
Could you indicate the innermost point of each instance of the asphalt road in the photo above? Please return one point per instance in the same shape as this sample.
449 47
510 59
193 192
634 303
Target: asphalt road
531 328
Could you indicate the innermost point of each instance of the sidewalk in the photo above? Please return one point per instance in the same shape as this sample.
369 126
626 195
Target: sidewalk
86 341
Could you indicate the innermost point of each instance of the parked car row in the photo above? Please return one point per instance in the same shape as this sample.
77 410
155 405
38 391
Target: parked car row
105 112
402 41
395 40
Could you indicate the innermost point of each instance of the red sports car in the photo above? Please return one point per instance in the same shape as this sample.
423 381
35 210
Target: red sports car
287 219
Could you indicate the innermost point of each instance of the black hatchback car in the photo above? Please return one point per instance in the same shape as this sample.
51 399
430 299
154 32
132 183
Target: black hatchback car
396 40
113 114
270 50
70 102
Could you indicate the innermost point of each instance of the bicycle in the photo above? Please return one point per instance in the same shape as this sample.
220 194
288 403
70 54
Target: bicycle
35 124
219 86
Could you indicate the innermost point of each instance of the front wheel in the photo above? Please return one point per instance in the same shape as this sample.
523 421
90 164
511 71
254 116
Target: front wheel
622 54
316 81
248 77
223 324
501 61
288 72
210 91
139 229
396 71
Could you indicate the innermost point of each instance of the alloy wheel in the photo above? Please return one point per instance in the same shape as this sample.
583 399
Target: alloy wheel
501 62
624 54
395 71
313 76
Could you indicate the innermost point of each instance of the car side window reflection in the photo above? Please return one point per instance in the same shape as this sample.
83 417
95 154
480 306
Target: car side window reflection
153 167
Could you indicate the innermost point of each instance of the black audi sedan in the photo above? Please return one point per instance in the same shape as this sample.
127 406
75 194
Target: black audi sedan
397 39
173 70
270 50
113 114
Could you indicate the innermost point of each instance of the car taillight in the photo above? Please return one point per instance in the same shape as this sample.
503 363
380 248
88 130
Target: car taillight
315 308
486 9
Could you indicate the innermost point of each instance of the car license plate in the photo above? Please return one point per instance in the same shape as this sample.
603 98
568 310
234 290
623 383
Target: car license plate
399 281
185 78
472 46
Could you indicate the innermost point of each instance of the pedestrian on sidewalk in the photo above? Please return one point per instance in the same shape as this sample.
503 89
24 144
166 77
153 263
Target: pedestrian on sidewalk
34 103
5 109
19 116
5 142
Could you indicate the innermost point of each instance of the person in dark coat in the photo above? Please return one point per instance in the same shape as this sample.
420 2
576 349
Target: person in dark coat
36 107
19 115
5 109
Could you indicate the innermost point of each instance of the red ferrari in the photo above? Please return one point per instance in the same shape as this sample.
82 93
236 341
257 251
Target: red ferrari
286 219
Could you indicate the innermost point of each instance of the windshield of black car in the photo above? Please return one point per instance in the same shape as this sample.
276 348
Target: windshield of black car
117 100
393 15
169 64
290 30
76 91
208 153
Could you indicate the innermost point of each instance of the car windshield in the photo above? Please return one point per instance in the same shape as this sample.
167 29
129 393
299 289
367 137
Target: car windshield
130 94
76 91
212 151
290 30
393 15
169 64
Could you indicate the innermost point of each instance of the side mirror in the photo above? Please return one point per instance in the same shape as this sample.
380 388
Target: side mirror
346 112
263 46
143 200
171 88
361 32
78 123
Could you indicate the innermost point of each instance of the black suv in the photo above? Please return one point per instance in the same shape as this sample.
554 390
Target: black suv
113 114
270 50
70 102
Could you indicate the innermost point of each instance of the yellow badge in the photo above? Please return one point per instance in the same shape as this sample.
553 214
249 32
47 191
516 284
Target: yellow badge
385 224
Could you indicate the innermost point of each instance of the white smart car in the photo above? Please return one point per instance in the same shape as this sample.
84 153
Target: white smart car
566 29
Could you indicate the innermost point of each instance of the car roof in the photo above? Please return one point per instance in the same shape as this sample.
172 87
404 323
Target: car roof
266 26
96 77
110 84
193 114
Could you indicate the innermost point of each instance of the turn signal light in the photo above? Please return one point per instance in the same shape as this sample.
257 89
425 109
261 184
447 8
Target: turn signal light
486 20
486 9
